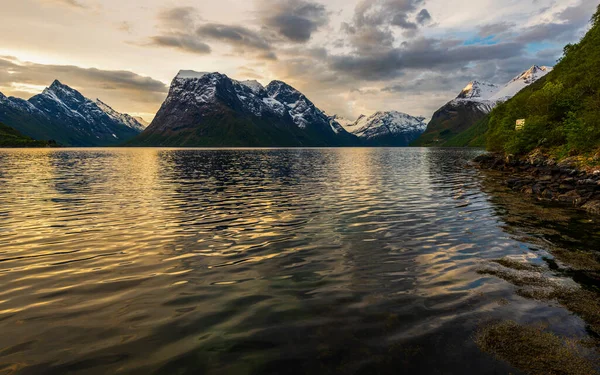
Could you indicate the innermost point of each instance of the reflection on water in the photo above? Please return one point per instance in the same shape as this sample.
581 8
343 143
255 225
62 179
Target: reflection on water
257 261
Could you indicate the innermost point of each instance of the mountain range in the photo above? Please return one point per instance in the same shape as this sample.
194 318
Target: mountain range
213 110
472 105
385 129
63 115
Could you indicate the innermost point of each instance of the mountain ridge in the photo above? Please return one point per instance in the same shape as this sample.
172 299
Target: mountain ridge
63 114
472 105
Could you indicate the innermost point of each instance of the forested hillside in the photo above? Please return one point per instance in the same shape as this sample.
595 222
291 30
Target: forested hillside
10 137
562 110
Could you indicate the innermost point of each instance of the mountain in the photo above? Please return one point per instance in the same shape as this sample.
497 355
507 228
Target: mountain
213 110
64 115
10 137
471 106
561 110
386 129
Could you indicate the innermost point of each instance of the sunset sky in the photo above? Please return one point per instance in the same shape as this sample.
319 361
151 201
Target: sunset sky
348 56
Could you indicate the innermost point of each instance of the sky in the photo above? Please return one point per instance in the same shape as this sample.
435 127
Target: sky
350 57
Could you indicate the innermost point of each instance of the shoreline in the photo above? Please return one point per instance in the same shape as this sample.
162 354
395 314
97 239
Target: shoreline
547 180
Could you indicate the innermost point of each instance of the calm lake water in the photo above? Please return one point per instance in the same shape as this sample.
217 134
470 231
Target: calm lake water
354 261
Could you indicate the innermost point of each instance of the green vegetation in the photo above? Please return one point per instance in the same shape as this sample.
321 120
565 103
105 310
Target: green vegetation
562 110
475 136
532 349
450 122
10 137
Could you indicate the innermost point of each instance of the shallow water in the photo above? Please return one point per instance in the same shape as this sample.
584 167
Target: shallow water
263 261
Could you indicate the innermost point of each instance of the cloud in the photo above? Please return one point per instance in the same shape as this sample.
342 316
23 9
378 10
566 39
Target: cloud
424 17
237 36
123 89
494 29
182 42
565 26
372 28
70 3
419 54
183 29
179 18
294 20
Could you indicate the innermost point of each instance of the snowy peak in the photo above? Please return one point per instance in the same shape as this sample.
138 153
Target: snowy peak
532 74
392 123
281 90
63 94
253 85
141 121
344 122
521 81
478 90
190 74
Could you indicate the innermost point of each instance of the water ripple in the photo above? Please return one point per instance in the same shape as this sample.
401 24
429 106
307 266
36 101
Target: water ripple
245 261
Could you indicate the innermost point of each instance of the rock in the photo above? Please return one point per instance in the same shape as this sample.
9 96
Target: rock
566 187
568 163
592 207
547 194
572 197
536 158
545 178
527 190
588 181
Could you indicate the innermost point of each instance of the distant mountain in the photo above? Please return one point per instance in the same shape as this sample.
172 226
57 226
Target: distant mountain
386 129
213 110
62 114
472 105
10 137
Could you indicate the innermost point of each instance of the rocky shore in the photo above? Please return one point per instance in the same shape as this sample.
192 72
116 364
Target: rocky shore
547 179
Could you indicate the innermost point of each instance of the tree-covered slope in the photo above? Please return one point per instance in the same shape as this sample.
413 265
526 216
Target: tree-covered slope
475 136
451 120
10 137
562 110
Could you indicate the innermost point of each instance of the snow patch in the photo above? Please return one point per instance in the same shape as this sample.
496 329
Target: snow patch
253 85
520 82
190 74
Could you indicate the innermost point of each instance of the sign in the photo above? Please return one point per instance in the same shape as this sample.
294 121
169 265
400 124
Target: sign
520 125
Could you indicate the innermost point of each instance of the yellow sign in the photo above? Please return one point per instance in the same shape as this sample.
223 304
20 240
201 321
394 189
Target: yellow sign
520 125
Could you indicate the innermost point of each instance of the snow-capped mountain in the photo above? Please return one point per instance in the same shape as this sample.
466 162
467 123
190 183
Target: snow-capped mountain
62 114
394 129
211 109
478 91
520 82
473 103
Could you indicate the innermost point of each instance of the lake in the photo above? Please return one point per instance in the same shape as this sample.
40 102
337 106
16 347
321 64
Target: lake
274 261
